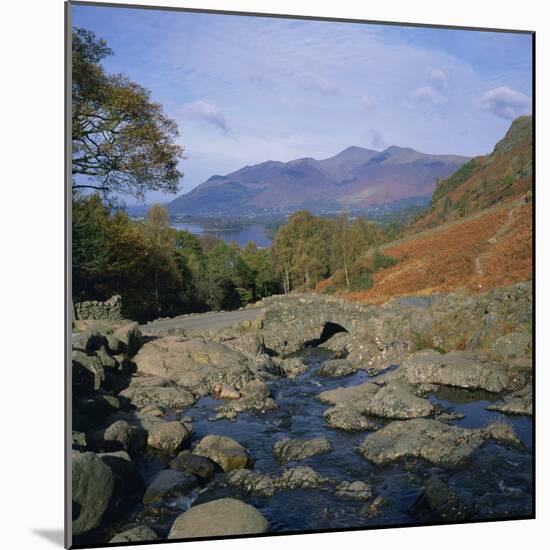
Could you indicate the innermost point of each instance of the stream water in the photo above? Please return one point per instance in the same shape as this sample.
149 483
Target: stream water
497 481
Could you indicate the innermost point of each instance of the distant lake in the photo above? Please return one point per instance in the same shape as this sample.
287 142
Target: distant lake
255 233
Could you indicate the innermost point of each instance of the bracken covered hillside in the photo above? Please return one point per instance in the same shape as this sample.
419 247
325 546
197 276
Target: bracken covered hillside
477 234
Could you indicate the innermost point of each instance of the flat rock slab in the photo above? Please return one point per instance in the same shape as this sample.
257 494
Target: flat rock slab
154 390
348 418
224 451
431 440
393 400
458 369
289 450
298 477
223 517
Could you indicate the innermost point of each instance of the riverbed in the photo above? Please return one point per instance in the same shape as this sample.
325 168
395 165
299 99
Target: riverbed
496 483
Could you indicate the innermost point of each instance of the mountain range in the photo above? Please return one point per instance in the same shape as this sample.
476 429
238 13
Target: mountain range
354 178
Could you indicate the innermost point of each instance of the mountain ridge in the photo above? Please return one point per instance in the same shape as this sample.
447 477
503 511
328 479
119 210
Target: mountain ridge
354 177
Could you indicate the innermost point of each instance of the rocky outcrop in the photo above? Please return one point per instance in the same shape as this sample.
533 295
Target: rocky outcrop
290 450
459 369
434 441
224 451
223 517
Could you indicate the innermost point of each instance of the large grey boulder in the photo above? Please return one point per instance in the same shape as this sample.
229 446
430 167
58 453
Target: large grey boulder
336 368
302 477
224 451
92 490
396 400
126 338
168 484
167 437
88 373
223 517
195 364
118 435
197 465
139 533
434 441
456 368
288 450
154 390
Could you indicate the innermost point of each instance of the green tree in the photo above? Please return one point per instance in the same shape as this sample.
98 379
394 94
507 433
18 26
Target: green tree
122 142
260 265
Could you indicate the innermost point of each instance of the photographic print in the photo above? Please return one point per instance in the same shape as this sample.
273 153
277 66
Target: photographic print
300 274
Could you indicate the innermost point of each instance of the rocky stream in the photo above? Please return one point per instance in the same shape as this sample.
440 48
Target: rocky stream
419 411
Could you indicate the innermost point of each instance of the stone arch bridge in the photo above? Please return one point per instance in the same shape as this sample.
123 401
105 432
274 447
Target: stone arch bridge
290 322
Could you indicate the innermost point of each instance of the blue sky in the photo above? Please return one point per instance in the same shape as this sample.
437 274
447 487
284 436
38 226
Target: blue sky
248 89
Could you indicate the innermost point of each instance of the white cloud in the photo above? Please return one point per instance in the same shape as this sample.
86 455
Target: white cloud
506 103
429 93
207 112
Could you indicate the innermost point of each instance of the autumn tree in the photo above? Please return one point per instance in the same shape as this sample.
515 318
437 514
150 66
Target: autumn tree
122 141
302 250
